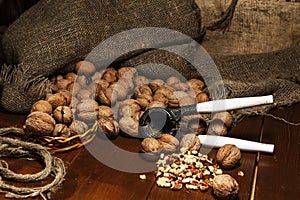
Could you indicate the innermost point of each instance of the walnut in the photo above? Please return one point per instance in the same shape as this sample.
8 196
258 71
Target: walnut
105 96
225 117
202 97
110 75
82 81
71 76
63 84
85 67
137 115
67 96
102 84
84 94
193 123
174 99
151 149
142 90
40 123
161 98
144 100
129 107
225 187
129 126
87 110
92 88
196 84
217 127
109 126
173 80
186 101
176 84
120 91
156 104
126 72
140 80
190 142
61 130
155 84
78 127
168 142
105 111
43 106
56 100
63 114
228 156
164 90
74 88
97 76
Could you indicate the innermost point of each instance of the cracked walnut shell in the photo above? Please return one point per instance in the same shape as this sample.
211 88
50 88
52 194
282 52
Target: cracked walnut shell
40 123
190 142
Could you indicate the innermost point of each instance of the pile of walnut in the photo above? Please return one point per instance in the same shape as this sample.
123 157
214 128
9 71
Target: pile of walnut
115 99
191 170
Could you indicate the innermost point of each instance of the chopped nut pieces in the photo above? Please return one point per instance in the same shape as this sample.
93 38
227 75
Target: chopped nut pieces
190 170
143 177
240 173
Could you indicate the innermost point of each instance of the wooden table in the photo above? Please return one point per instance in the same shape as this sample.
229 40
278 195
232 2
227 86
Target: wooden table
266 176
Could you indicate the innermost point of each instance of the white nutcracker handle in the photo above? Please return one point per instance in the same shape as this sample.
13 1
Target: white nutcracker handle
245 145
232 104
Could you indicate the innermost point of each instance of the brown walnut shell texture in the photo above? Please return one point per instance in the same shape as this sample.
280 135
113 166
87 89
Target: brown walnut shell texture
228 156
40 123
63 114
109 127
151 149
168 142
129 126
43 106
190 142
225 187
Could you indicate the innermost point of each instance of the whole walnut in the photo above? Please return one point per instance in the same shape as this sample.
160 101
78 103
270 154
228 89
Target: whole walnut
217 127
129 107
126 72
87 110
173 80
105 96
67 96
109 126
105 111
164 90
190 142
110 75
63 115
225 187
225 117
155 84
85 67
156 104
129 126
78 127
142 90
176 84
43 106
202 97
151 148
228 156
140 80
74 88
193 123
120 90
71 76
63 84
84 94
61 130
168 142
196 84
161 98
56 100
175 97
186 101
144 100
40 123
82 81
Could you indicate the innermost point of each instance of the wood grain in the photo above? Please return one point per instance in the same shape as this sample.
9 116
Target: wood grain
278 174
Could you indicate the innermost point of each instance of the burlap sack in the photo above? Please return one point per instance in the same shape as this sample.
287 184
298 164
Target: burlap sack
276 73
53 33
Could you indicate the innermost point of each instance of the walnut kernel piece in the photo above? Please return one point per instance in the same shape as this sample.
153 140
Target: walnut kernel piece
190 142
225 187
40 123
228 156
43 106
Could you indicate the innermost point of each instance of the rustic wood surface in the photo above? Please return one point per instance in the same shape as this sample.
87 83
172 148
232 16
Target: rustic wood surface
277 174
257 26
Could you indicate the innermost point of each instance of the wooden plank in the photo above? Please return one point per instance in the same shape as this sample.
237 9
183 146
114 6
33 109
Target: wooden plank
88 178
278 174
248 129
